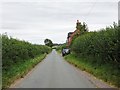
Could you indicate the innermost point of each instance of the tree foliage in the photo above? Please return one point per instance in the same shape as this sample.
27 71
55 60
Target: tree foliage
101 50
82 27
103 44
48 42
15 51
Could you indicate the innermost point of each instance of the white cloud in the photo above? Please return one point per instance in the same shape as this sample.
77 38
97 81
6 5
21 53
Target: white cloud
60 0
35 20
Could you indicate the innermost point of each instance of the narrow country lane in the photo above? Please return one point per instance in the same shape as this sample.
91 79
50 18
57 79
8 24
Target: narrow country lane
54 72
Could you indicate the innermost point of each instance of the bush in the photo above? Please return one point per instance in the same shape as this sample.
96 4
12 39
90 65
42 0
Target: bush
101 50
15 51
103 44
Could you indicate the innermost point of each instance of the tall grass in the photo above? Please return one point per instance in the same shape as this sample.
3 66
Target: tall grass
19 70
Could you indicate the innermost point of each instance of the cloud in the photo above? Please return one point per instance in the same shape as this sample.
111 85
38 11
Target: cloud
60 0
35 20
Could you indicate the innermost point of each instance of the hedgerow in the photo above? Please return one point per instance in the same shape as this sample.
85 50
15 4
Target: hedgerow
101 49
103 44
18 57
15 51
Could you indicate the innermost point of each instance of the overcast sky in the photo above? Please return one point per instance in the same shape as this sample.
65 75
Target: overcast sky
36 20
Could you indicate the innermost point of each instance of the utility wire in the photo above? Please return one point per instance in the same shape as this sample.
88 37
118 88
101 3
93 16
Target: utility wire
90 11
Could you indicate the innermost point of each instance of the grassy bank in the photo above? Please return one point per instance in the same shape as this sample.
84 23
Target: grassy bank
19 57
19 70
98 53
104 72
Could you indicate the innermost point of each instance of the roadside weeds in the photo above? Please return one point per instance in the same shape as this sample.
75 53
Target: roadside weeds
86 68
19 71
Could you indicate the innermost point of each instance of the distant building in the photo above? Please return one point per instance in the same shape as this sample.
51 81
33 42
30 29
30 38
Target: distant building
72 34
119 13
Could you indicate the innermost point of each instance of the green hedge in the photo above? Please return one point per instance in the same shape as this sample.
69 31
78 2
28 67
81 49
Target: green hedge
103 44
18 58
101 49
15 51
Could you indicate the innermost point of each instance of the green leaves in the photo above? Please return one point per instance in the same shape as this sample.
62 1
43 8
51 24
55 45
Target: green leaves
15 51
98 53
48 42
18 57
103 44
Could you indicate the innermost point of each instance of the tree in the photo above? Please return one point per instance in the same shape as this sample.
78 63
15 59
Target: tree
78 25
84 28
81 27
48 42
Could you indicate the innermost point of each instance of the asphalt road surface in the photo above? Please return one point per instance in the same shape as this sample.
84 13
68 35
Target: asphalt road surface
54 72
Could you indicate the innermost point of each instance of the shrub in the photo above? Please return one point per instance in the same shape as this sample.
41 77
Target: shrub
15 51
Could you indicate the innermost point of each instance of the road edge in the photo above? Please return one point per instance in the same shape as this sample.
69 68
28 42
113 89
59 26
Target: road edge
99 83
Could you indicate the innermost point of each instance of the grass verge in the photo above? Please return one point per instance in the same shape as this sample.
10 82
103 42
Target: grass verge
59 51
104 72
19 71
